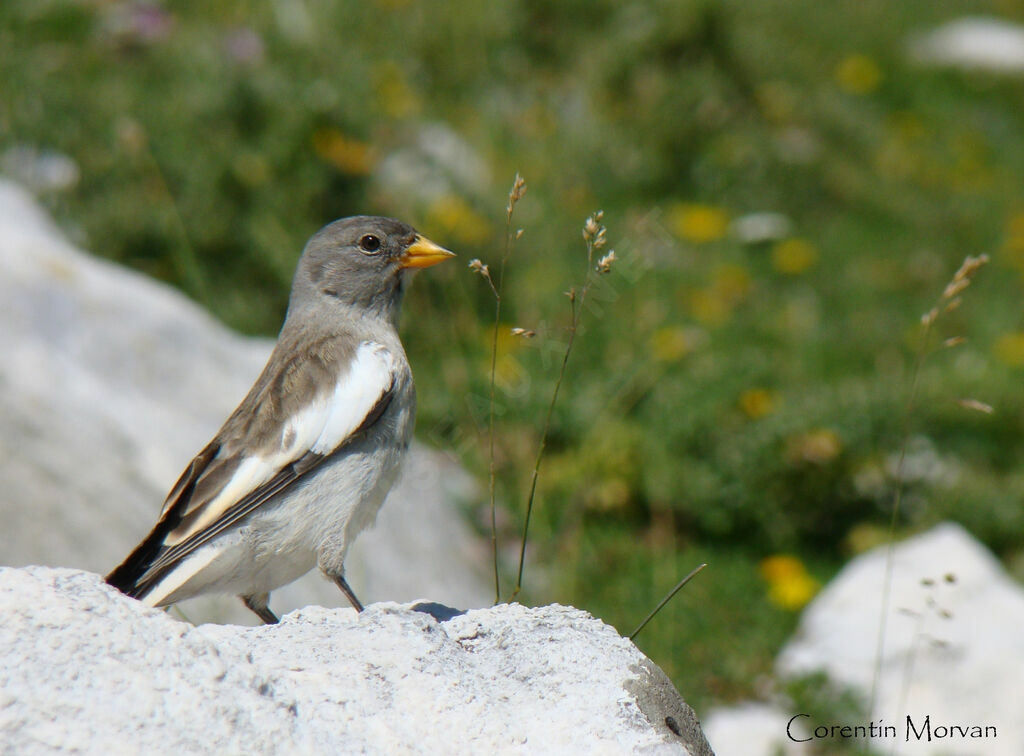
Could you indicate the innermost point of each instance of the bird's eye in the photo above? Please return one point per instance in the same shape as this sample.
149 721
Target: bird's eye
369 243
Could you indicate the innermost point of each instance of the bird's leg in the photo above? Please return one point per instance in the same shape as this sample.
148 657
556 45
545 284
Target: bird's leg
343 584
258 604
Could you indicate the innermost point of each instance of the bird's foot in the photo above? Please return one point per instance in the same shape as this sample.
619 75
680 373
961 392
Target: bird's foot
343 584
258 605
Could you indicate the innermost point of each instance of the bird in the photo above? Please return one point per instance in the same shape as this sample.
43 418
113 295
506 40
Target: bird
304 463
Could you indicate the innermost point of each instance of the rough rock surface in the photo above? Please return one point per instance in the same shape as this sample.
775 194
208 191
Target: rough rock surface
110 382
954 649
85 668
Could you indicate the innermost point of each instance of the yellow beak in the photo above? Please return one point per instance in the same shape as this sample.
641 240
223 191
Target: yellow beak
423 253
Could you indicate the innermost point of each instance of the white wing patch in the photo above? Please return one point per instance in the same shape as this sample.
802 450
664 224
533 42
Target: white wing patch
181 574
251 473
320 428
355 396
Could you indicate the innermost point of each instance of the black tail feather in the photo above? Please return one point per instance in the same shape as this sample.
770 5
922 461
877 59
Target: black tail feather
127 576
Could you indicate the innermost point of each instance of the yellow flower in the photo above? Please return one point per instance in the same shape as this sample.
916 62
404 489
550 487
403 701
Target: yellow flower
1009 349
350 156
698 223
671 343
508 341
794 256
793 593
858 74
394 95
710 307
789 584
453 217
816 447
781 567
758 402
510 375
731 282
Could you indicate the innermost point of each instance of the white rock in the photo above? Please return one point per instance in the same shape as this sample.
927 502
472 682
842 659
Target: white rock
954 652
750 729
954 649
978 43
111 382
85 668
42 170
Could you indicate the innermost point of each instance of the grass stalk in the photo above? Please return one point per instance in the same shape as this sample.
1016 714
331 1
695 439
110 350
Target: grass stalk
949 300
514 195
890 553
594 236
668 597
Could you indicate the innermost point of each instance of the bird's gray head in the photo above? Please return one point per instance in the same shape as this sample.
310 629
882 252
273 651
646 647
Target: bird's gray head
361 263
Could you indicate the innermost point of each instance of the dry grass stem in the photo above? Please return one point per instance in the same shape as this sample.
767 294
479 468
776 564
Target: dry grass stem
668 597
515 194
949 300
594 236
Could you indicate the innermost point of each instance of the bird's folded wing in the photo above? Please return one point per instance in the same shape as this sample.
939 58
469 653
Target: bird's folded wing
271 441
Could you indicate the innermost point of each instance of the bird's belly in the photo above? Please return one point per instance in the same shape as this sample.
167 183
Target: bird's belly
319 518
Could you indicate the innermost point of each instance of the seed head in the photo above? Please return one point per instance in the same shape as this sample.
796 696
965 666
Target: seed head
962 278
604 265
516 193
593 231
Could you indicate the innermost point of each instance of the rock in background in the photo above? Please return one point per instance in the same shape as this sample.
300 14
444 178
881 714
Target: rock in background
109 384
85 668
972 43
954 651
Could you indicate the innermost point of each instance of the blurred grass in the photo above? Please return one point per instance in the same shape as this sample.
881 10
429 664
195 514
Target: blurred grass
727 400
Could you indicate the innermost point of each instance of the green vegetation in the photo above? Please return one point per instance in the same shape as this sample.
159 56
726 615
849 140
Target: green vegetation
726 400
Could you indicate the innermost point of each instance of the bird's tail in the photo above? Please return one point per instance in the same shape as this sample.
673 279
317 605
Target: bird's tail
128 577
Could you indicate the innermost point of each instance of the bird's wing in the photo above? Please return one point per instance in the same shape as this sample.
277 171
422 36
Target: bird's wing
279 433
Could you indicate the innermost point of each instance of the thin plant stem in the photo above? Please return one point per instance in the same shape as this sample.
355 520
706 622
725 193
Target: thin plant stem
577 312
908 668
516 193
494 520
175 609
540 450
890 554
494 365
668 597
949 300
